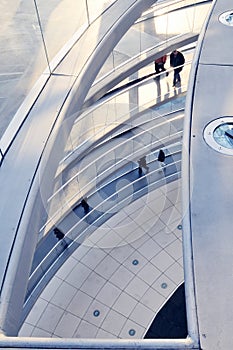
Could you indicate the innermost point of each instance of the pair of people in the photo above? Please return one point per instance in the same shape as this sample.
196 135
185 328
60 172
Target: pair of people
142 162
177 61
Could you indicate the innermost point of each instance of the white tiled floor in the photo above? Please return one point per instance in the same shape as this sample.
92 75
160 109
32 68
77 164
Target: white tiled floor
119 278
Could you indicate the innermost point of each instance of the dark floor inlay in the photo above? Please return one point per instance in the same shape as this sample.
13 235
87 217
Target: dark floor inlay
170 322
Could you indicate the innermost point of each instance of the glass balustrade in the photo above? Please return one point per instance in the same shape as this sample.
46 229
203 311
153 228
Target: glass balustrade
81 178
33 33
158 25
88 174
126 107
102 208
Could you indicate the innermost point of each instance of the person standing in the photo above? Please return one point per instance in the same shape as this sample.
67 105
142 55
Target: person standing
85 205
159 64
60 236
177 60
142 164
161 157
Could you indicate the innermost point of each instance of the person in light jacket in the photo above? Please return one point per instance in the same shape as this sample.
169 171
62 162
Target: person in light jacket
159 64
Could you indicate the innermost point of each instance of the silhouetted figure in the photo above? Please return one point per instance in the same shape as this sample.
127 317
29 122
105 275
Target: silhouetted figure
60 236
142 164
161 157
85 205
176 59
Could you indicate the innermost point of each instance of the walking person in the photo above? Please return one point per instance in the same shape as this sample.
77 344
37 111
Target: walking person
161 157
142 164
60 236
85 205
177 60
159 64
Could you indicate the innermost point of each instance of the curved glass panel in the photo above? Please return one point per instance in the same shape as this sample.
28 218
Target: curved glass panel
88 133
59 21
23 57
32 34
155 28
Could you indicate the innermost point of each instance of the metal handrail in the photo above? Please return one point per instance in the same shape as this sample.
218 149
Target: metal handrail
74 195
73 240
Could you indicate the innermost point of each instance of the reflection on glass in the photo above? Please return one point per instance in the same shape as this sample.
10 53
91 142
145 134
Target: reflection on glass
22 56
149 33
95 8
59 21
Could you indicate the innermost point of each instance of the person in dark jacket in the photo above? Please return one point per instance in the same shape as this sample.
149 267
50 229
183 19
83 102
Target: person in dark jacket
177 60
85 205
161 157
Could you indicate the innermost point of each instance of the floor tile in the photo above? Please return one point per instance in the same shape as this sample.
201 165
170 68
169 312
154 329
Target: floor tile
164 286
50 318
93 284
110 240
149 273
176 273
164 239
79 304
108 294
175 249
142 315
158 205
96 313
93 257
135 262
135 236
66 268
121 253
40 333
37 311
142 215
153 300
132 330
94 239
86 330
121 277
63 295
125 304
114 322
80 251
107 267
101 334
136 288
78 275
167 214
149 249
67 325
154 226
26 330
143 237
162 261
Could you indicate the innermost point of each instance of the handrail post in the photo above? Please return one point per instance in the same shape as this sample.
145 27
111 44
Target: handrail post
2 157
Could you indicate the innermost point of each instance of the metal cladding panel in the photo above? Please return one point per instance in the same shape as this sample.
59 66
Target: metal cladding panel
210 184
217 45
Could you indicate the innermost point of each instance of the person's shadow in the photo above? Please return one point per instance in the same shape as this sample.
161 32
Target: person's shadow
158 85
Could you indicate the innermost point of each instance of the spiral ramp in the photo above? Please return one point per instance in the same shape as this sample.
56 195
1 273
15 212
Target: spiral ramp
120 262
